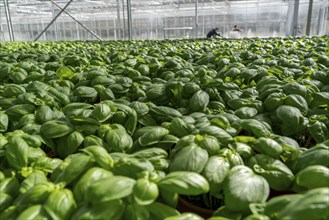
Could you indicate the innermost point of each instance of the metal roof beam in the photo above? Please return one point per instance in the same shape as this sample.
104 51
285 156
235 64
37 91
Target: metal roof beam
95 35
52 21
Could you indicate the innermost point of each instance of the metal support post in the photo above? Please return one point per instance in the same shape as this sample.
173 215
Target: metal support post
55 24
119 19
164 29
320 21
129 19
157 29
196 19
2 37
289 17
52 21
295 19
114 27
43 26
309 18
63 10
78 31
123 19
9 23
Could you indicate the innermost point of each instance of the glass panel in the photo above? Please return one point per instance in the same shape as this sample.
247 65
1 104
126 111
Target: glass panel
159 19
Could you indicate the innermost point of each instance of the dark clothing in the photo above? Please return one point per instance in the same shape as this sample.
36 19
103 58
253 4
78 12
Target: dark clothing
236 29
212 33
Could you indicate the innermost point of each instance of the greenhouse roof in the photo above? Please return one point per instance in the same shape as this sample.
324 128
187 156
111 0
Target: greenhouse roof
30 8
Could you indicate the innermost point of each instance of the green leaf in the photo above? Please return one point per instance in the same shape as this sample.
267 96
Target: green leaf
62 203
43 114
145 192
231 156
312 205
184 183
319 131
17 152
244 150
190 158
246 112
165 111
150 153
290 116
314 176
278 203
199 101
255 127
56 128
297 101
69 144
46 164
100 155
85 92
179 127
102 112
317 155
38 194
152 136
268 146
78 164
118 139
140 107
136 212
4 121
320 98
295 88
273 101
159 211
64 73
215 172
277 174
17 111
5 201
89 177
100 210
222 136
35 178
10 186
99 191
208 142
131 167
33 212
237 196
185 216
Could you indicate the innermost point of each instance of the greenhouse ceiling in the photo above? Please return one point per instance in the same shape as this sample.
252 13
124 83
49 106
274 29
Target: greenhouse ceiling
154 19
37 8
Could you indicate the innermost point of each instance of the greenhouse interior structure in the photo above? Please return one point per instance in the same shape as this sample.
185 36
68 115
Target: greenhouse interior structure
164 109
155 19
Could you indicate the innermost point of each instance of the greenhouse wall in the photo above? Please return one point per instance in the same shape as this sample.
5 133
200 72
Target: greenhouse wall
160 19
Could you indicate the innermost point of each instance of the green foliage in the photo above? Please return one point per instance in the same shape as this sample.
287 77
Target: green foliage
120 130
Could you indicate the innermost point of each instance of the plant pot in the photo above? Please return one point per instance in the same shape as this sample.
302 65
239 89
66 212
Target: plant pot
185 206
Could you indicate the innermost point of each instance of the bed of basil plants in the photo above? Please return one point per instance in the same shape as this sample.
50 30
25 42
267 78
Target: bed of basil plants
127 129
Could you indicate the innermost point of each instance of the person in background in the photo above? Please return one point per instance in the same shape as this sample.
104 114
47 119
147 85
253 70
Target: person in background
213 32
235 28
